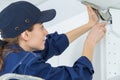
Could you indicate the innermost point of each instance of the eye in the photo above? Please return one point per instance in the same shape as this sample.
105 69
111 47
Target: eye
42 27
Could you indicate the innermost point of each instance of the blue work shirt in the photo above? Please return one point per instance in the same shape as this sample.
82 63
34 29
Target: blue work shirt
34 63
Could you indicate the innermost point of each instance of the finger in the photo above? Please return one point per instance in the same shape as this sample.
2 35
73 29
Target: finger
103 29
91 10
88 9
103 24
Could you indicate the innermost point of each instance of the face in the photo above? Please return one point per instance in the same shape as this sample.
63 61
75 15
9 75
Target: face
37 37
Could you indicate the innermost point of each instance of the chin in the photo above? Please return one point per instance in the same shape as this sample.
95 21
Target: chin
42 48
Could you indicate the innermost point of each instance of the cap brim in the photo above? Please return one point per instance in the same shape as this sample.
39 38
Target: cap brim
47 15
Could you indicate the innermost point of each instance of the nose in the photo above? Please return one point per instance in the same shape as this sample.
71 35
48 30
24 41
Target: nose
45 32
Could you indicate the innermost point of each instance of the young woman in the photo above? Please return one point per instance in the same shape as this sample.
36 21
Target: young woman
26 45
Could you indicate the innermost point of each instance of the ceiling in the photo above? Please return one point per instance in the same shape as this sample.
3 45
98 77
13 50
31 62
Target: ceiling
4 3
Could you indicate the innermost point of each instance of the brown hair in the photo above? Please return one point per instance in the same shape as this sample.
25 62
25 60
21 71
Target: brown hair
5 48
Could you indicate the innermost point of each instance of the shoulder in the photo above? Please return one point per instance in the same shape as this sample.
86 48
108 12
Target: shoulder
13 60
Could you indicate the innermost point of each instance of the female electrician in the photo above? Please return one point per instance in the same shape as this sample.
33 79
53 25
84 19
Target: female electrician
26 45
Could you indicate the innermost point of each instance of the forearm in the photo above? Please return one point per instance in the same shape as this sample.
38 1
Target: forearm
88 49
74 34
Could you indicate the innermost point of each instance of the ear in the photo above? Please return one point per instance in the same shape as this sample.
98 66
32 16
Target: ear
25 35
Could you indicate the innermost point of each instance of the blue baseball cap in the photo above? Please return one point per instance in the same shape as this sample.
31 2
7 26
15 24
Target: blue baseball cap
19 16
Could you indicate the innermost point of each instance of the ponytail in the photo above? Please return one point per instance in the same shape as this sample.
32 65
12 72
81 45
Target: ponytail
1 57
2 44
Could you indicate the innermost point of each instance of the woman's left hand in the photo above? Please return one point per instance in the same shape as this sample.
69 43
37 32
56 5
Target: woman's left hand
93 18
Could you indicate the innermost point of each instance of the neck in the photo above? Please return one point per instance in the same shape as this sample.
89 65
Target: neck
25 47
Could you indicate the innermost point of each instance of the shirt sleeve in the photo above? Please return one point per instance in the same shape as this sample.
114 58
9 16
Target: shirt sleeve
55 45
81 70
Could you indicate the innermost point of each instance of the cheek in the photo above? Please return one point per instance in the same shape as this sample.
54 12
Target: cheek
40 45
38 42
